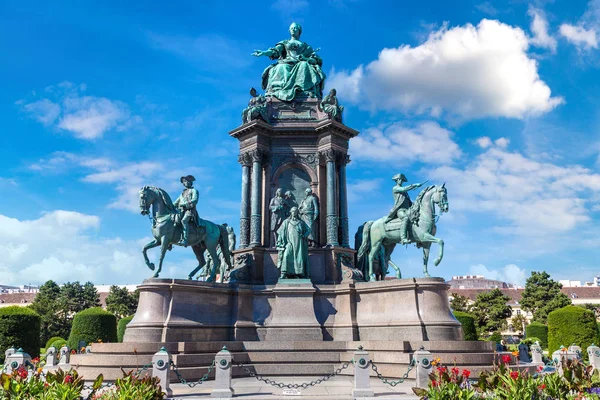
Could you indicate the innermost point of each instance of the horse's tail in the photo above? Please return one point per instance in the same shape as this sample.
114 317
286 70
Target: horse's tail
224 243
363 250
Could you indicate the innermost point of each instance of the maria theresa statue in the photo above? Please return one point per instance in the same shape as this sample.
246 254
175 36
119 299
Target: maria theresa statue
297 70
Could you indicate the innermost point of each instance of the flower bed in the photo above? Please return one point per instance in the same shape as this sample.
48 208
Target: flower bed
31 383
577 382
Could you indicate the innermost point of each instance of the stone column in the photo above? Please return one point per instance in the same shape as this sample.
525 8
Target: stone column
362 366
344 237
422 359
161 365
332 217
222 387
256 199
246 160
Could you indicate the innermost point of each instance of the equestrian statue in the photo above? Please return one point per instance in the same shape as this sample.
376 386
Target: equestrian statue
178 224
407 223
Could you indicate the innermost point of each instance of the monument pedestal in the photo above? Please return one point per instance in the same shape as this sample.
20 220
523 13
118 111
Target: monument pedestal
293 314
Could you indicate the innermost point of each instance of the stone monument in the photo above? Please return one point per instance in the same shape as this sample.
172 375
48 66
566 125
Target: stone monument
295 284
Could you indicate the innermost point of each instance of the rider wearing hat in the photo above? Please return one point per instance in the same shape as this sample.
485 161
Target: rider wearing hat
186 202
402 203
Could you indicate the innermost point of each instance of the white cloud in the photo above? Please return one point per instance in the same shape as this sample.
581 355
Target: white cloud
579 36
484 142
357 189
527 197
539 28
345 82
466 71
502 142
127 178
510 273
64 246
427 142
86 117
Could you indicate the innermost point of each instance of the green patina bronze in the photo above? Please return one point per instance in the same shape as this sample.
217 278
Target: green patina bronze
331 106
257 108
406 223
292 246
202 235
297 71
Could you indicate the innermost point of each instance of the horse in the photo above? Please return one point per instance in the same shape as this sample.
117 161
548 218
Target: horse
204 235
377 243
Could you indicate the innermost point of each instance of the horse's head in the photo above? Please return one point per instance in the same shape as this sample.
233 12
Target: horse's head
146 200
440 197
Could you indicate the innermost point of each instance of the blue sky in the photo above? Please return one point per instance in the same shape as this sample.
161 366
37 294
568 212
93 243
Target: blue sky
498 99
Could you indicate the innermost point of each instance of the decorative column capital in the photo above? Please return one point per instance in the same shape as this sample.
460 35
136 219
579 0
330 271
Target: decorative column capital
258 155
345 159
245 159
329 155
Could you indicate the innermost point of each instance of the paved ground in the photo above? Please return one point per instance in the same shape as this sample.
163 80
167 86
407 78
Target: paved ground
338 387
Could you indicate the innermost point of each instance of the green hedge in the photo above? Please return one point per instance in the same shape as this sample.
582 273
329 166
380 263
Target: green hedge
495 337
52 340
570 325
58 343
92 325
121 327
19 327
538 330
468 325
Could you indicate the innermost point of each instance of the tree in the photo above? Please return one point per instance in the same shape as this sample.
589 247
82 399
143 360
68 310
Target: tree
460 303
120 302
491 310
519 322
58 304
592 307
45 305
542 295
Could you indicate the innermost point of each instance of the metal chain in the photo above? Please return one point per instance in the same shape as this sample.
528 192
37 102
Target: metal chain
191 384
144 368
411 366
282 385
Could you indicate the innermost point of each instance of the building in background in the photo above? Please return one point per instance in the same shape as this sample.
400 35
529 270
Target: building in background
24 295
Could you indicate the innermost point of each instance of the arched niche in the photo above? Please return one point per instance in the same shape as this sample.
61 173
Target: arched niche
296 178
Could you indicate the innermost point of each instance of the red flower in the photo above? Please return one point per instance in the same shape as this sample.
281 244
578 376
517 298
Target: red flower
542 386
466 373
514 374
506 359
68 379
434 383
35 360
540 368
454 371
441 370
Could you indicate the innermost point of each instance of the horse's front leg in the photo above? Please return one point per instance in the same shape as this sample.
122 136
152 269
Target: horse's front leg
426 247
163 250
151 245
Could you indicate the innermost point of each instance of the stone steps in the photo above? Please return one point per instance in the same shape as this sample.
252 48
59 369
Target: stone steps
279 358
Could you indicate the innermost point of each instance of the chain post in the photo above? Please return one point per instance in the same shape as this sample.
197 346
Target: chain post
362 383
17 360
161 365
50 359
537 354
222 387
594 356
64 358
422 359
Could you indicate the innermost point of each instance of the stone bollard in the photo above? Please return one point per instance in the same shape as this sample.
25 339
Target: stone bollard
9 352
16 360
64 358
537 354
362 383
223 369
422 359
574 349
594 356
161 365
88 349
50 359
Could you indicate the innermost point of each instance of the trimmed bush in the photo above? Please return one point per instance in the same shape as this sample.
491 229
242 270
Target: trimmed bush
538 330
495 337
468 325
52 340
570 325
19 327
58 343
121 327
92 325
